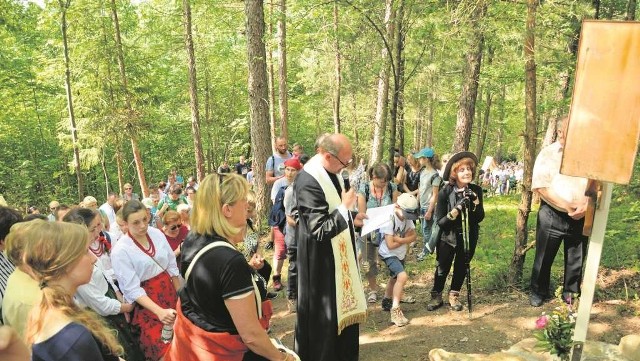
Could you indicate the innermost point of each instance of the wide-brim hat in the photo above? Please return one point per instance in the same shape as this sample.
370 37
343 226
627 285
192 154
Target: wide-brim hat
454 158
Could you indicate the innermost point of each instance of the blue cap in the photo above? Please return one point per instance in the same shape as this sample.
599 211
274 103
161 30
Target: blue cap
424 153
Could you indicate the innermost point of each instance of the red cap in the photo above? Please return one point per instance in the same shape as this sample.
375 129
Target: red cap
293 162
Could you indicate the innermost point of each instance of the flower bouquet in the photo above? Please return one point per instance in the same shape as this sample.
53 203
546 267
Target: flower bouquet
554 332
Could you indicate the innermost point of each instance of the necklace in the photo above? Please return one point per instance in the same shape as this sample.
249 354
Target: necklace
150 251
375 194
97 251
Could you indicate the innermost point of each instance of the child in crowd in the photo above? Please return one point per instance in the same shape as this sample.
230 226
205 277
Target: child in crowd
397 235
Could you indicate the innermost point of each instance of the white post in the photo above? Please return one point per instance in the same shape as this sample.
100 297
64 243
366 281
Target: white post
591 271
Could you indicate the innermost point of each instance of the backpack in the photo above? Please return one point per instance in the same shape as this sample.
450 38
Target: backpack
277 217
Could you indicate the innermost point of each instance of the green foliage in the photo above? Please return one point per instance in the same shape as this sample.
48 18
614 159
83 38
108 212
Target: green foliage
554 332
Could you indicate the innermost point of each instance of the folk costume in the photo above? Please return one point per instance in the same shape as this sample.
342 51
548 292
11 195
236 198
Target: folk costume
204 330
147 272
331 300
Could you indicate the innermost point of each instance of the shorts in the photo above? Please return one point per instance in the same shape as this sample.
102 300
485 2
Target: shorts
395 266
279 248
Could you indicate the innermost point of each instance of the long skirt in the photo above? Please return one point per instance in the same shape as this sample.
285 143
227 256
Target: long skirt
161 291
191 343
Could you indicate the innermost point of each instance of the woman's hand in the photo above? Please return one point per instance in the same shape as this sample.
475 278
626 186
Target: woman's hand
126 307
167 316
256 262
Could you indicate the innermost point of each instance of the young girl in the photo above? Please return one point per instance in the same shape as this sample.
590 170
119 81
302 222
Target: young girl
58 329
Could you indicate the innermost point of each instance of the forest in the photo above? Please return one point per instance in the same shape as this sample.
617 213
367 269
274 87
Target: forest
97 93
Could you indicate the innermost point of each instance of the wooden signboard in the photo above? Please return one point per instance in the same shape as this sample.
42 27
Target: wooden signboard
604 122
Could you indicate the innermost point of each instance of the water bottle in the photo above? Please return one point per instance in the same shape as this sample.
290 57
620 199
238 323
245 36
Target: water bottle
167 333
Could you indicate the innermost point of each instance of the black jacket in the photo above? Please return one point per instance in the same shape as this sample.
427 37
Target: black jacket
447 199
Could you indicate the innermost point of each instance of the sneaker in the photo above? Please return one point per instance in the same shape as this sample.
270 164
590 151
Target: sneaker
435 302
454 301
269 245
292 305
386 304
271 295
372 297
397 317
420 257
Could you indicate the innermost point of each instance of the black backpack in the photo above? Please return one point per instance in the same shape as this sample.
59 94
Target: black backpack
277 217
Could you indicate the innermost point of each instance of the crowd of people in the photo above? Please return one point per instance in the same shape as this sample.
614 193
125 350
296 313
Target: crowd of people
179 275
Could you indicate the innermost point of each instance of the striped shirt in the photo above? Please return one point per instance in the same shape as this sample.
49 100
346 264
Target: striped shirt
6 268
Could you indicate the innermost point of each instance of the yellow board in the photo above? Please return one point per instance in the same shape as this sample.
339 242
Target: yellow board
604 121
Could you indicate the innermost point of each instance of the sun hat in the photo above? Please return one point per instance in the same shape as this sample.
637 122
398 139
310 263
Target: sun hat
424 153
454 158
409 205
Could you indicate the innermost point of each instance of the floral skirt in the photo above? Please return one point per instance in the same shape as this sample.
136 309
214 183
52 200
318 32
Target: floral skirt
161 291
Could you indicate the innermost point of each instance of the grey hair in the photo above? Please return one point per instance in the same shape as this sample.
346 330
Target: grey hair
329 143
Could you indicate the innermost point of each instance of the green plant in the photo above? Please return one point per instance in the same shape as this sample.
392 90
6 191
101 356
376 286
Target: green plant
554 332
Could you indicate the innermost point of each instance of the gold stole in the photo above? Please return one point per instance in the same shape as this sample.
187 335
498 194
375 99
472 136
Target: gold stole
350 301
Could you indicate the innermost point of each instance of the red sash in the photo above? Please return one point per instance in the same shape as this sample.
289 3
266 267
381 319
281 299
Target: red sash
161 291
191 343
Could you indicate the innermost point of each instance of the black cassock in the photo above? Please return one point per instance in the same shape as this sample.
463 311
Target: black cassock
316 334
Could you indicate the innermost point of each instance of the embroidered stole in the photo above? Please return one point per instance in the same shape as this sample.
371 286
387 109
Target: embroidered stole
351 306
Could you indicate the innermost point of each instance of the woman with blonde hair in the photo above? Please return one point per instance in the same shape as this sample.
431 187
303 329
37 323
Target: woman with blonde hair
58 329
221 315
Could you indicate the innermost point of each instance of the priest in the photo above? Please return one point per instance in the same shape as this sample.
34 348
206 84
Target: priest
331 302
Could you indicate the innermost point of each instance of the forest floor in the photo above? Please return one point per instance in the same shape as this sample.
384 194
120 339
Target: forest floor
499 320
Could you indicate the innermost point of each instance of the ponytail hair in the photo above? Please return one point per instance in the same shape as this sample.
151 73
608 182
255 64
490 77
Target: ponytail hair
51 249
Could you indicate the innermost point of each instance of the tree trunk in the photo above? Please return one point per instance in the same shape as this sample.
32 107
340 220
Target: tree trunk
193 91
64 6
207 116
519 252
395 127
631 10
596 9
129 126
282 76
468 96
379 123
258 107
417 124
482 132
121 180
270 78
338 75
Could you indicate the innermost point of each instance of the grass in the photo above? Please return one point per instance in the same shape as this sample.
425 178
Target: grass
490 265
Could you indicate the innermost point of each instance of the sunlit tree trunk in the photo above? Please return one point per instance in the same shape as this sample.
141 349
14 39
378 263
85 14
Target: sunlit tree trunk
468 96
64 6
396 126
258 107
282 73
193 90
519 252
482 131
121 180
379 123
271 81
129 126
338 75
631 10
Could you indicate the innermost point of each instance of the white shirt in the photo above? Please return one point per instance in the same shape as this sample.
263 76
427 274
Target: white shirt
396 227
110 213
93 294
132 266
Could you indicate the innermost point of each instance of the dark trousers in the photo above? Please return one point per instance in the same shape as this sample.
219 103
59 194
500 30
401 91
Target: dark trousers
553 227
292 290
447 255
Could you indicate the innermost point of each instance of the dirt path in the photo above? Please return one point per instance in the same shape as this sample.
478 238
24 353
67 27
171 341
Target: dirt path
498 321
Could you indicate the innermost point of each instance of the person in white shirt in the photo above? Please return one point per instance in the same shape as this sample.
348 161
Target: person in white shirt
398 234
107 209
147 273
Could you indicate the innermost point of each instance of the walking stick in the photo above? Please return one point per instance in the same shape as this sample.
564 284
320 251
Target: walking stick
465 237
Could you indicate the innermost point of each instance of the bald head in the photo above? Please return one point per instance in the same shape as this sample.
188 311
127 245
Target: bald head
336 152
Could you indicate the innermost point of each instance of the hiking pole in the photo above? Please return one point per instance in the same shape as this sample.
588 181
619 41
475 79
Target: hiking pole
465 237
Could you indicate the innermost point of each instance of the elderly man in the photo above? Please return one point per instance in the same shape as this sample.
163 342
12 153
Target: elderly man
331 300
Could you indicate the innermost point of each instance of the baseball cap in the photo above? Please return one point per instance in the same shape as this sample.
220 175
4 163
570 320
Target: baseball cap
293 162
424 153
409 205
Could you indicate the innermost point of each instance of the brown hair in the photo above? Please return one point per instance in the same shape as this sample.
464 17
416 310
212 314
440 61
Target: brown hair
453 173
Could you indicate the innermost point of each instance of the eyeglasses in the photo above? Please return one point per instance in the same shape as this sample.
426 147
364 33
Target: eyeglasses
341 162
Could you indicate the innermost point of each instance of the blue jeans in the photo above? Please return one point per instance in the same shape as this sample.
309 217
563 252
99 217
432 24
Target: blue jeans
426 230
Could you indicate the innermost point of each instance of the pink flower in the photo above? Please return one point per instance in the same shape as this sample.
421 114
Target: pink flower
542 322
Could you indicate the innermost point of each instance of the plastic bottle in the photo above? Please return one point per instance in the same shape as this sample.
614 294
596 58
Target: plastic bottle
167 333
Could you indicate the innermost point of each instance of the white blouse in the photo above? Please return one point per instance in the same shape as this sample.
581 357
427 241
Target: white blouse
132 266
93 294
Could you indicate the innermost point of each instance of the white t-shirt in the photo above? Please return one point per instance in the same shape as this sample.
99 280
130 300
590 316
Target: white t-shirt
395 227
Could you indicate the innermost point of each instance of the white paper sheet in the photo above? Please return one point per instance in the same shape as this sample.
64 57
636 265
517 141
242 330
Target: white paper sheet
378 217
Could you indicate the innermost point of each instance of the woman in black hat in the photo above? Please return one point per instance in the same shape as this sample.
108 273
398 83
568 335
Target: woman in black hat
459 212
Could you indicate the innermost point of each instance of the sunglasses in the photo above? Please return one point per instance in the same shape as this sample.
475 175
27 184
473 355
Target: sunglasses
174 227
128 189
